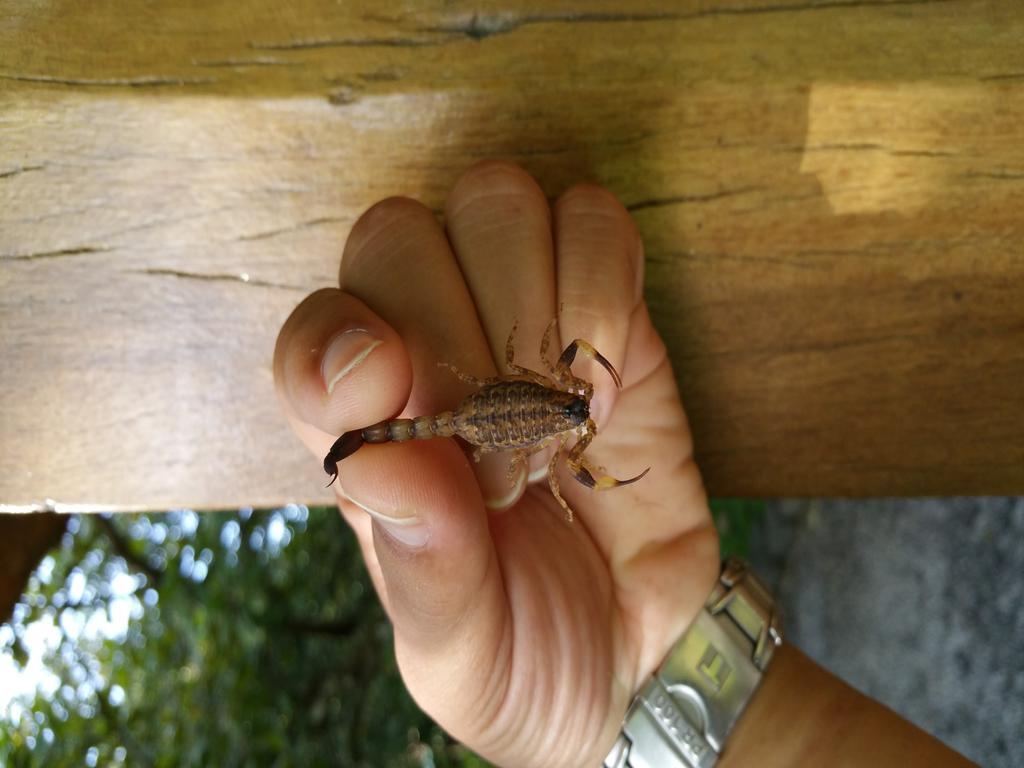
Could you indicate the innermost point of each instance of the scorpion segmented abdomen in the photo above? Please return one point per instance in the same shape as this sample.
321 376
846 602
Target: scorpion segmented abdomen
512 414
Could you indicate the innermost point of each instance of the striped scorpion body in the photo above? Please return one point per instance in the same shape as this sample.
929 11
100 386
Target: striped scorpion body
523 413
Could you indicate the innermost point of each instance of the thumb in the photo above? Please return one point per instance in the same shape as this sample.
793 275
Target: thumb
415 507
444 589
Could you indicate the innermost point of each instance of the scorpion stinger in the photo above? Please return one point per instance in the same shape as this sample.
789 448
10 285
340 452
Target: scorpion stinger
343 447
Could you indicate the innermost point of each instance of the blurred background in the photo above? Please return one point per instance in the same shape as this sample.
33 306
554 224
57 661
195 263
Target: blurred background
255 638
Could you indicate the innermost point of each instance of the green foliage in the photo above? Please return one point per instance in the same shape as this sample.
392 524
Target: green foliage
735 520
247 638
250 639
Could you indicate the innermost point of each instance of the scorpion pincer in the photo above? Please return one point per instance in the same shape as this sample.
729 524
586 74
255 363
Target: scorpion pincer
522 412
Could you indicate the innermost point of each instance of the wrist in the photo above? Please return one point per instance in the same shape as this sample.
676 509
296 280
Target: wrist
804 715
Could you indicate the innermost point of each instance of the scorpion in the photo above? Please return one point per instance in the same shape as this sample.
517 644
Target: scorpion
523 412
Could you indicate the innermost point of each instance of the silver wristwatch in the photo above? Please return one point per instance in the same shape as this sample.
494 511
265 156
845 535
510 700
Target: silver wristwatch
683 713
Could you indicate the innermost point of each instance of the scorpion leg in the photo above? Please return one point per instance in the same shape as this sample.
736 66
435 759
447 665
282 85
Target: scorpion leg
584 471
469 379
480 450
510 360
555 487
564 375
545 344
520 457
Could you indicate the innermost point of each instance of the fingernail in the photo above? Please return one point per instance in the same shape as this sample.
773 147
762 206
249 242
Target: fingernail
344 353
538 467
501 502
539 463
407 530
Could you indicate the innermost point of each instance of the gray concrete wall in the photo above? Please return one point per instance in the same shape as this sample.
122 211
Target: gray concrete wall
918 603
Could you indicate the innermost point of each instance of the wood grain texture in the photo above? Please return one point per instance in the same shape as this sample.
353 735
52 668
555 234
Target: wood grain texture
831 195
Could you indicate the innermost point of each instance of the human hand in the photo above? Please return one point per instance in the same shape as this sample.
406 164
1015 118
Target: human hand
524 636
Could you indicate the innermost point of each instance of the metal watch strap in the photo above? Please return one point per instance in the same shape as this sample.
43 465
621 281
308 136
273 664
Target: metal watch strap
682 715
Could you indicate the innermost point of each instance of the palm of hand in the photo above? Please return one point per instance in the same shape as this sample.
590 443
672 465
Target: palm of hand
522 635
593 606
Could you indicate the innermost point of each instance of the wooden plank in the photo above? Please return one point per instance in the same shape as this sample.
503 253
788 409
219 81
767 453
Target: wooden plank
831 196
24 540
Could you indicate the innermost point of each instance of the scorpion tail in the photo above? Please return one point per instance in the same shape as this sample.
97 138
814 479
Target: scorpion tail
343 447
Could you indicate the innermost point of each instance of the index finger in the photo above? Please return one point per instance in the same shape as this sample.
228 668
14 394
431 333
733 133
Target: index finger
398 260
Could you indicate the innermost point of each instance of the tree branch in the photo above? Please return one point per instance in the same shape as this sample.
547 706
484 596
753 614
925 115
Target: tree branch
124 549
